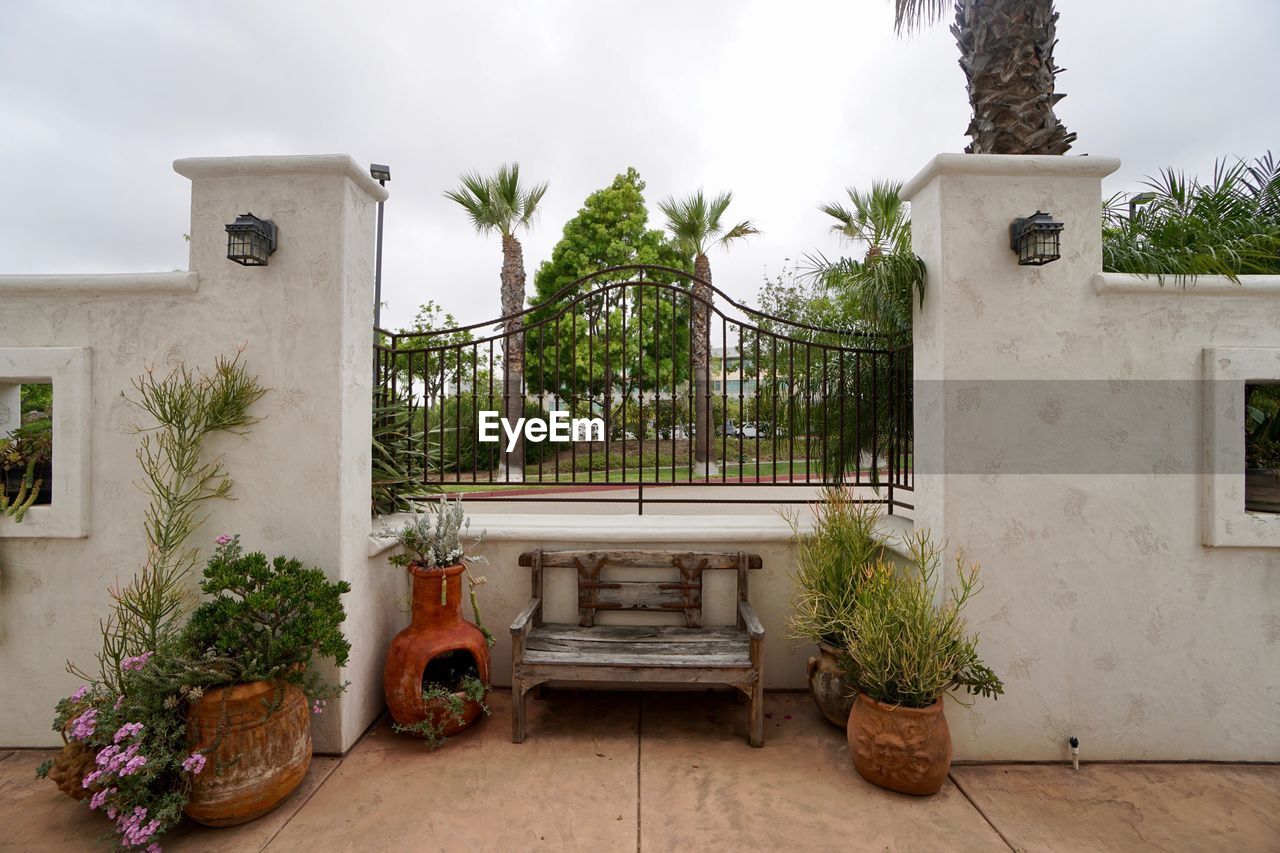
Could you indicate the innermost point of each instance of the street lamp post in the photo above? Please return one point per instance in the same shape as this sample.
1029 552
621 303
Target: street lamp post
381 174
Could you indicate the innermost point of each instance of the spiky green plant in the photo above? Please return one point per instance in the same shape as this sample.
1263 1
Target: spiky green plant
903 648
831 560
1183 227
188 406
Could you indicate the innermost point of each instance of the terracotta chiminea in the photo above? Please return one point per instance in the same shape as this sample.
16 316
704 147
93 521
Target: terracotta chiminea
438 647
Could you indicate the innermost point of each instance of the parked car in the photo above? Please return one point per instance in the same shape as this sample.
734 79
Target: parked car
749 431
730 428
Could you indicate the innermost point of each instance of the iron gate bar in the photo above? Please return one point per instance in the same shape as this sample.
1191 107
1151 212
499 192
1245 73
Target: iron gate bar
803 407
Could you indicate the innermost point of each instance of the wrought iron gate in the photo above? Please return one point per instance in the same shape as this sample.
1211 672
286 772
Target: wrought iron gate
774 403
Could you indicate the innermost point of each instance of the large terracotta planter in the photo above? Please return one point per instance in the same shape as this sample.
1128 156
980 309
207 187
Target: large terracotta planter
902 749
257 743
1262 490
438 647
832 696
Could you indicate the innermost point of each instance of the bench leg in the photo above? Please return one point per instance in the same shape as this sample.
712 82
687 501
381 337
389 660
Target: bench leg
739 696
517 710
755 731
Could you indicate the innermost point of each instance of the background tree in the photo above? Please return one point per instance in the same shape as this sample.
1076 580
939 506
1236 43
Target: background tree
1006 52
697 225
873 294
499 204
583 355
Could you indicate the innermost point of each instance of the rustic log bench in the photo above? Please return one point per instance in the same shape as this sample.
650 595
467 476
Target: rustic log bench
670 654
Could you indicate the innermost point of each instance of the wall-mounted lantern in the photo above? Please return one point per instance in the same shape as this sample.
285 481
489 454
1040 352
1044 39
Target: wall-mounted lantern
1035 239
250 240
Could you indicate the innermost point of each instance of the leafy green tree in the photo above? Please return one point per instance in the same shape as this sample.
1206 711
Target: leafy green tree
610 346
500 204
1006 52
698 224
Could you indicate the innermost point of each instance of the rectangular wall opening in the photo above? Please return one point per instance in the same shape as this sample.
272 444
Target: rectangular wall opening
1262 447
26 446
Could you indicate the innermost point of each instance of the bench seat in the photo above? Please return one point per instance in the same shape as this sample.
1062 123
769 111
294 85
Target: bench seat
591 653
717 647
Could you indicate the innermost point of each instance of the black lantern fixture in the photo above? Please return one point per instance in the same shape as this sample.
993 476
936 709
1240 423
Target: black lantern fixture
1035 239
250 240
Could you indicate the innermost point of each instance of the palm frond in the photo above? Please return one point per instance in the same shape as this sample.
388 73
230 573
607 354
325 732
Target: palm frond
911 15
695 222
497 203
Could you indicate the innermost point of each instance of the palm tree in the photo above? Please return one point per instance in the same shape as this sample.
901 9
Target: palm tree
876 291
499 204
1006 51
879 218
696 224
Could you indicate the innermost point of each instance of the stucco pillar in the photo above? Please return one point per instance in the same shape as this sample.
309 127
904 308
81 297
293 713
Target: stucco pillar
986 326
302 474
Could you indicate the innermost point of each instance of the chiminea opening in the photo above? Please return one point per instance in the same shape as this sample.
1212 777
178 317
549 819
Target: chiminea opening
447 670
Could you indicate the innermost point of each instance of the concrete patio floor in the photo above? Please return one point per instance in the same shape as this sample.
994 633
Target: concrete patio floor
672 771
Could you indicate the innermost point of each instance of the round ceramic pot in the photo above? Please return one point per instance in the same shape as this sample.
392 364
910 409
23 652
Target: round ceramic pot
256 739
1262 490
437 642
832 696
899 748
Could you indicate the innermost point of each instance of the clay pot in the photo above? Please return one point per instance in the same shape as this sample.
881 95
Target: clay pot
437 646
1262 490
832 696
256 739
70 766
899 748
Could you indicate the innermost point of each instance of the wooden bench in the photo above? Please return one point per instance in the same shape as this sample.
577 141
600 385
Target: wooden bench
670 654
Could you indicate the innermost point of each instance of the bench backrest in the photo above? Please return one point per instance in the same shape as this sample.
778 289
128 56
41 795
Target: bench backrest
681 593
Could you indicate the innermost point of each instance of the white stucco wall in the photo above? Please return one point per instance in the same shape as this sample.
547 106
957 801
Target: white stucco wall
1105 613
301 474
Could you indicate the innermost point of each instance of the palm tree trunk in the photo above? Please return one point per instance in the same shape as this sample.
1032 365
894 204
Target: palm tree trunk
1006 51
700 348
513 279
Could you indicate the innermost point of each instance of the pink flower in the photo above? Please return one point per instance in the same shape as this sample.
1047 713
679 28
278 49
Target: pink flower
104 756
194 764
82 726
128 730
80 693
136 662
133 766
119 702
101 797
317 707
133 832
90 778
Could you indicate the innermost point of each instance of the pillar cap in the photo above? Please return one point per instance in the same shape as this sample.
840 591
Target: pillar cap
1010 165
280 166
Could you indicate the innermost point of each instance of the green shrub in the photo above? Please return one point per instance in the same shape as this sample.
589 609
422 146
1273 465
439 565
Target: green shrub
268 619
830 563
901 647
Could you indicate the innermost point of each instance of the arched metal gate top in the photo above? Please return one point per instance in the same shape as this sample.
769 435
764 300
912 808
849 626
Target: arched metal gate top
687 392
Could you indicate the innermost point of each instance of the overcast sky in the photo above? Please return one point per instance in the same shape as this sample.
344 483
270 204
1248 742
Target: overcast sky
785 103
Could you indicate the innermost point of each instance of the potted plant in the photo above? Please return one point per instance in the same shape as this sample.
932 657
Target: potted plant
903 651
265 623
1262 449
26 467
437 671
830 560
